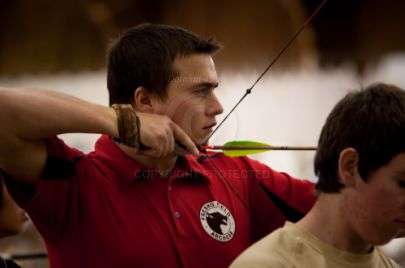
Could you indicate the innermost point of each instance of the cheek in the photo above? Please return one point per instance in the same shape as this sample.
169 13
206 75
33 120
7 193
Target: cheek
182 106
187 114
361 208
389 201
372 215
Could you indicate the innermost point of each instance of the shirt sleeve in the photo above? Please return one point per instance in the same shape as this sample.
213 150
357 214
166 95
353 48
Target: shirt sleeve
259 256
50 203
276 197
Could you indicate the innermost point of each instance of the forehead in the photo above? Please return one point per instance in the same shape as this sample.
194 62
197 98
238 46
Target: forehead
195 68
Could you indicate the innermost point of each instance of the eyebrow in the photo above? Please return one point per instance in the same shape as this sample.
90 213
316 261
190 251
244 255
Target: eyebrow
207 84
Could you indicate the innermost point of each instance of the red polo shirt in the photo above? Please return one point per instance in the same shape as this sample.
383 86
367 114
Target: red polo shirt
104 210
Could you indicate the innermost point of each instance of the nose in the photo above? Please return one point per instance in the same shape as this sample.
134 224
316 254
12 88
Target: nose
215 107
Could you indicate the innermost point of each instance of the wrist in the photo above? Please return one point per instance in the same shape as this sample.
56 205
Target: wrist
128 125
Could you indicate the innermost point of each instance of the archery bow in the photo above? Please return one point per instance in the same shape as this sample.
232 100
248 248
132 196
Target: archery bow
249 90
281 52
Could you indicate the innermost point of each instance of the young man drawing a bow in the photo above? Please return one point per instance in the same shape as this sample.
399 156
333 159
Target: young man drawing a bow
135 200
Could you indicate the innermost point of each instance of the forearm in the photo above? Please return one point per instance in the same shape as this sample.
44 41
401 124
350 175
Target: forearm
34 114
29 116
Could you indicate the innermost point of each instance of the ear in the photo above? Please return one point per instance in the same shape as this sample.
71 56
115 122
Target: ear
143 99
348 166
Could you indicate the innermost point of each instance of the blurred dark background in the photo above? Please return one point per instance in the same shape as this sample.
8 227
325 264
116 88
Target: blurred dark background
52 36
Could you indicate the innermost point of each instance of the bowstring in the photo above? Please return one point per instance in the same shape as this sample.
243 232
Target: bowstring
249 91
281 52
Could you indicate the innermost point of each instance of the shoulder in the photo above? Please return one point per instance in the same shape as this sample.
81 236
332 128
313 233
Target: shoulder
57 147
61 159
385 261
274 250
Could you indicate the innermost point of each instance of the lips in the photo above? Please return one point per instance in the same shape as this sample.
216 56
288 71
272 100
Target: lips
210 126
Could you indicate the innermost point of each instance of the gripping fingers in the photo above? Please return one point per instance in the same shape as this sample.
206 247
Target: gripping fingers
184 140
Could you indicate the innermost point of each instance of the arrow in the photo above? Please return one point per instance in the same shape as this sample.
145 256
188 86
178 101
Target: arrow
242 148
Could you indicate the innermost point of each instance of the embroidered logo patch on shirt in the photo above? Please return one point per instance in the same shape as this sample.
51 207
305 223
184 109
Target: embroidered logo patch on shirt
217 221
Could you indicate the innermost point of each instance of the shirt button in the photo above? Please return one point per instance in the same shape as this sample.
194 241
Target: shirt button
169 188
177 214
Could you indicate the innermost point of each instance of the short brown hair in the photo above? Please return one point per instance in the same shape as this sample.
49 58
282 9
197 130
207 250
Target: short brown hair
372 121
143 56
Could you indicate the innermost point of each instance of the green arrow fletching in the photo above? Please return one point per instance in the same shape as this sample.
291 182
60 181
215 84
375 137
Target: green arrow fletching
242 152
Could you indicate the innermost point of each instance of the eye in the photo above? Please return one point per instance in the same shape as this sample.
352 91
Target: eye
202 91
401 184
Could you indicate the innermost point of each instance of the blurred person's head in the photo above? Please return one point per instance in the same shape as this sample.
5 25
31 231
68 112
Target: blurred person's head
371 121
361 161
12 217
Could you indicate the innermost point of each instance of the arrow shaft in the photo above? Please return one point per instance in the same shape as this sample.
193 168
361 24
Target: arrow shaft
280 148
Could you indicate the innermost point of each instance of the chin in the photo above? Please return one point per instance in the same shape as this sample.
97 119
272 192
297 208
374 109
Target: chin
380 241
204 142
200 141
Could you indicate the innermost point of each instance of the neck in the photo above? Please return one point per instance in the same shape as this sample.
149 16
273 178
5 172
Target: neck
162 164
328 222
